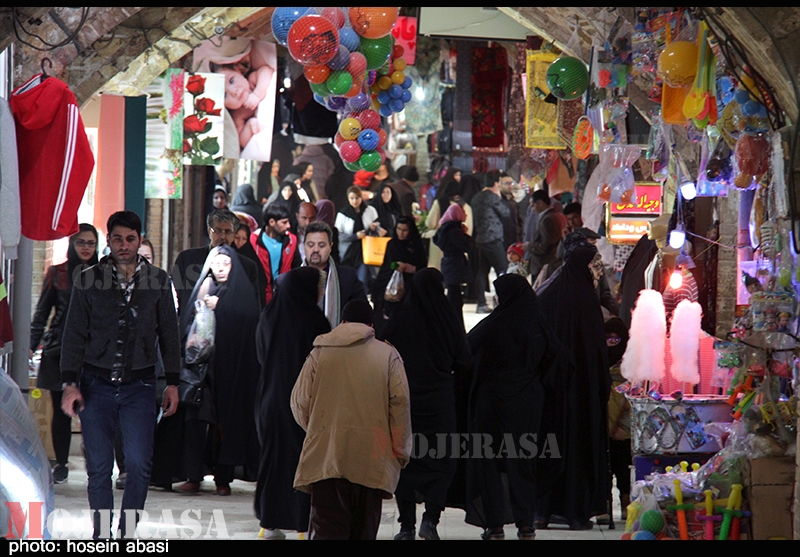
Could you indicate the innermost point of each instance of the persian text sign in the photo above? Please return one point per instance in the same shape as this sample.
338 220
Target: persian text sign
647 201
626 230
405 34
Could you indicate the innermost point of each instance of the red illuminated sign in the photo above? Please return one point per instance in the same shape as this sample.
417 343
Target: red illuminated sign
405 34
648 201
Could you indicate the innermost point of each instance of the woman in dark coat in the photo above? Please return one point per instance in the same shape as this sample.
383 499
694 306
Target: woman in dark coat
54 299
244 201
456 246
517 391
407 250
430 338
388 206
225 417
570 304
285 336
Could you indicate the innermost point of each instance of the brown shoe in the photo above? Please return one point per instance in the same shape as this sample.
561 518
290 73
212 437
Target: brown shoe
223 489
188 487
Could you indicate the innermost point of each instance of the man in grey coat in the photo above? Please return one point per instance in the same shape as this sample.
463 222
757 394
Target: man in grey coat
488 213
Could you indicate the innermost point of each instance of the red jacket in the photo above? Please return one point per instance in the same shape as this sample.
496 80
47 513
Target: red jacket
289 258
55 159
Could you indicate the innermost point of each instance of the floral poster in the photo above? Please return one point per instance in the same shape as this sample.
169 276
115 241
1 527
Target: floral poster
164 137
203 123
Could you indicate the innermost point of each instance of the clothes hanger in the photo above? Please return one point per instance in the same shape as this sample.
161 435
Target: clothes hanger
49 63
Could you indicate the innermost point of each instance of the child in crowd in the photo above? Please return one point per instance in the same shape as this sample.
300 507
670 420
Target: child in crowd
516 264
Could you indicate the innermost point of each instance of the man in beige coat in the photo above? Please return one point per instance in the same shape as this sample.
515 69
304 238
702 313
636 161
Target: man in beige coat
352 400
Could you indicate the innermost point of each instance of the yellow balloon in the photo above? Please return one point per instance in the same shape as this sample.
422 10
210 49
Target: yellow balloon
398 77
385 82
677 63
399 64
350 128
375 88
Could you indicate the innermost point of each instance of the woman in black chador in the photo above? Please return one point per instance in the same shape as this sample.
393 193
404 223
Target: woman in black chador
430 338
285 336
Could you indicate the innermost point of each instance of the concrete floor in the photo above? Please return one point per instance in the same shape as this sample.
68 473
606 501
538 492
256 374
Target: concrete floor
237 509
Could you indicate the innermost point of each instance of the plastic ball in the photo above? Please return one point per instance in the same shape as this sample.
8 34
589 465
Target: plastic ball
382 153
398 51
352 166
399 64
626 536
407 82
373 23
395 91
359 102
652 521
397 105
350 151
370 161
349 39
321 100
385 110
336 15
567 78
341 60
339 82
368 140
336 103
741 96
382 137
751 108
677 63
355 89
349 128
376 51
338 139
384 82
643 535
398 77
320 89
369 119
316 74
313 40
282 20
406 98
358 64
384 97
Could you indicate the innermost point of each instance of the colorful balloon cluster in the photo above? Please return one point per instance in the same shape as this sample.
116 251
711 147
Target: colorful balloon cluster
391 90
344 52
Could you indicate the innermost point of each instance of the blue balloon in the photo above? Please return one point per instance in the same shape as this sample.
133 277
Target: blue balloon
406 83
396 105
368 139
348 38
384 97
359 102
741 96
320 99
395 91
341 59
406 98
385 110
750 108
282 20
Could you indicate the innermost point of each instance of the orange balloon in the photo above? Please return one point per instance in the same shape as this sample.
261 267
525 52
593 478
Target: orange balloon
373 23
317 74
355 89
385 82
399 64
398 77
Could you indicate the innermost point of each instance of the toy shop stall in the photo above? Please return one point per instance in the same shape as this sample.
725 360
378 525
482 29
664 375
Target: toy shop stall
713 410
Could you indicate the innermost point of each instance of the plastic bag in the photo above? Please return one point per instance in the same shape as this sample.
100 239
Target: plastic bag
200 342
396 288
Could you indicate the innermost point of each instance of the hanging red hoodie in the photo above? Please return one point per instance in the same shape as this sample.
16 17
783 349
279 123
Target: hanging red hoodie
55 159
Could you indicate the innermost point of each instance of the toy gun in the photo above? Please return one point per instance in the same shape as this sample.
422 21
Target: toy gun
680 508
746 387
709 518
729 511
743 405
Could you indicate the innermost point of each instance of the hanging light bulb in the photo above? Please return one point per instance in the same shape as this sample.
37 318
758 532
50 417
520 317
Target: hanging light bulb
677 237
688 190
676 279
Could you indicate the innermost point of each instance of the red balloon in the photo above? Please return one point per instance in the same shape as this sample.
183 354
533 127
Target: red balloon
317 74
398 51
355 89
338 139
369 119
350 151
382 153
357 65
373 23
336 15
381 137
313 40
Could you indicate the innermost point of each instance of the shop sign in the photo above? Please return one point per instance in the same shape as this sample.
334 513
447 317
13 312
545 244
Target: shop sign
626 230
405 34
648 201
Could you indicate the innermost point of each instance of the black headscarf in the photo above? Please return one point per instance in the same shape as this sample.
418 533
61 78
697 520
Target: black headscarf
617 326
284 337
244 201
388 213
571 305
73 259
519 370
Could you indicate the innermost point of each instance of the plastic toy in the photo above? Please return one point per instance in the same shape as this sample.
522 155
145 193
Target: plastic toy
729 511
680 508
709 518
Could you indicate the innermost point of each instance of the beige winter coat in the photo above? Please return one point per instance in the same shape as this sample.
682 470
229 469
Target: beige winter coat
352 399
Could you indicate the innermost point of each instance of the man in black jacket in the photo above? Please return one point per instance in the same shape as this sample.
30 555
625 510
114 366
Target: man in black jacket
120 310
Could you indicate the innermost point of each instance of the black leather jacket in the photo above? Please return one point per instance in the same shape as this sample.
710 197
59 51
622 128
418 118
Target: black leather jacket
55 296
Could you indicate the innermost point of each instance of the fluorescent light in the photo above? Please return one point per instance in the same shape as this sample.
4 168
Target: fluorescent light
677 237
688 190
675 279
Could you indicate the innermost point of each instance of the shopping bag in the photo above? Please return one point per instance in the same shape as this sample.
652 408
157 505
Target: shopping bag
200 341
396 288
373 249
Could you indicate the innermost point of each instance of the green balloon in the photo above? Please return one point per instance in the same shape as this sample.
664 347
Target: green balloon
352 166
320 89
370 161
339 82
376 51
567 78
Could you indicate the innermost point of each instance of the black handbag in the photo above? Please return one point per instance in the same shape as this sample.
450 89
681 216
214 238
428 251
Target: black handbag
193 384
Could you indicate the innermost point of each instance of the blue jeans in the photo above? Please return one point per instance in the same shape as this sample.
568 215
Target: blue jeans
134 405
